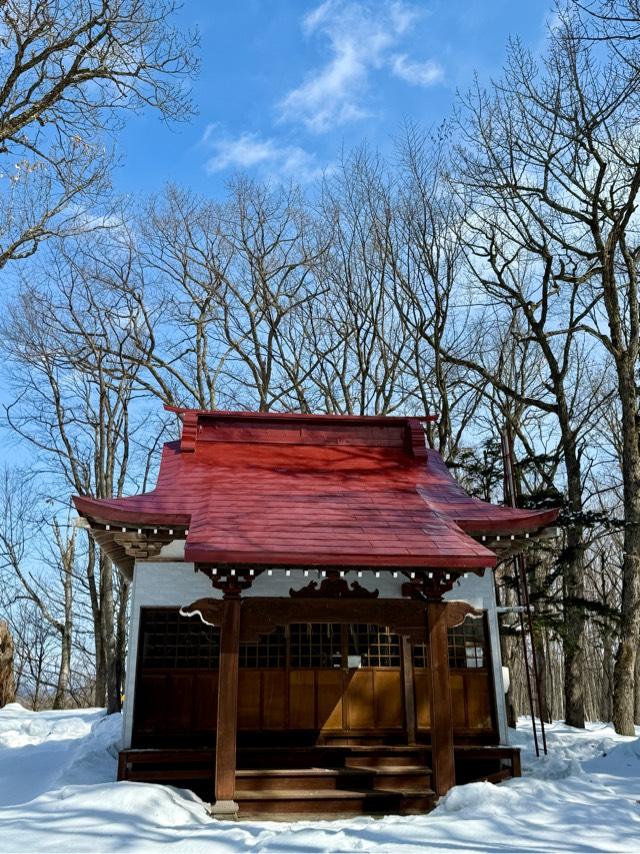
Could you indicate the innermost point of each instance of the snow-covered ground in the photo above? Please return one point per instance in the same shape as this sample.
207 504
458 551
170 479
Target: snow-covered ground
57 794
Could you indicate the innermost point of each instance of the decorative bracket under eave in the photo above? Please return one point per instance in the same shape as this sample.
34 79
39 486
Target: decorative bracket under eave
142 545
333 587
429 584
230 581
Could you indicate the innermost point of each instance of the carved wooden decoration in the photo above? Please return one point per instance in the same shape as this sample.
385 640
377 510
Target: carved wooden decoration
262 616
125 545
428 585
334 587
231 581
209 611
457 611
144 545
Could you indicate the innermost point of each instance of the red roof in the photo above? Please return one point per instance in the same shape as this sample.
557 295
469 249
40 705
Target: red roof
309 490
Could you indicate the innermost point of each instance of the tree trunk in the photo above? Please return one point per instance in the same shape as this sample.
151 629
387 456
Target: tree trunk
625 668
100 690
573 629
606 693
7 685
64 673
543 670
572 572
121 637
637 687
539 641
67 556
109 635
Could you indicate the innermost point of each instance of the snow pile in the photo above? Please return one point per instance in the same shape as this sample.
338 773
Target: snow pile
617 761
39 751
57 795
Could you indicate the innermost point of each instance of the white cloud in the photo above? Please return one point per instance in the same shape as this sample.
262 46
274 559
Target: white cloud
361 35
417 73
250 151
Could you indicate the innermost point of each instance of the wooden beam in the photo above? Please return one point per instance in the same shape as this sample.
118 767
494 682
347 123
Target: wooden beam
227 723
408 689
260 616
441 713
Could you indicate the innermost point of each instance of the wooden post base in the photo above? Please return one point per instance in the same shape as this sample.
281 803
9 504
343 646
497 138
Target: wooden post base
225 770
442 761
224 810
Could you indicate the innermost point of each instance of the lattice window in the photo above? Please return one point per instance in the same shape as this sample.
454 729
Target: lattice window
315 645
269 651
377 646
172 641
467 647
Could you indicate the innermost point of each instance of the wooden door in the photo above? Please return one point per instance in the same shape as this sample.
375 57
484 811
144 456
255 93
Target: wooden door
373 699
332 678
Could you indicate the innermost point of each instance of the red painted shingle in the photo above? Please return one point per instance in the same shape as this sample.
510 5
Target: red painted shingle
314 491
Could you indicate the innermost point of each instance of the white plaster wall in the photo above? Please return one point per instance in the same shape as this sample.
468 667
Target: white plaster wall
157 584
479 591
171 582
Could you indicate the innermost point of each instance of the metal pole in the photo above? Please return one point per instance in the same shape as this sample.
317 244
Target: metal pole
534 657
522 589
525 654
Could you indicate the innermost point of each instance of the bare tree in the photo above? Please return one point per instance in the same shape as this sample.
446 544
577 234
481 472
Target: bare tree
553 150
206 300
70 408
356 342
69 71
428 286
21 523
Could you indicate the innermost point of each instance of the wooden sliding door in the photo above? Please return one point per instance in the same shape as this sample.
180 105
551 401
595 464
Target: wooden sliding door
315 678
336 678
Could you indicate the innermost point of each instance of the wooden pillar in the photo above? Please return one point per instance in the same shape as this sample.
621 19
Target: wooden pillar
408 689
441 714
227 721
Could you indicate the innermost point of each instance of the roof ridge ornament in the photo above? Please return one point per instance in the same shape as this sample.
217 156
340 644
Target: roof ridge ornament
189 431
415 438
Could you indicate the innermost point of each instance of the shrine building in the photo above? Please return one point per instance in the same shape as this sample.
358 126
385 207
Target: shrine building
313 625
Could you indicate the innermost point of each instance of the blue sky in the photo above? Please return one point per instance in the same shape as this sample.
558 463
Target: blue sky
286 84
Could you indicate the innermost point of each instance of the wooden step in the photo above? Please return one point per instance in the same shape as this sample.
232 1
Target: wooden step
169 754
167 775
333 755
396 749
300 779
165 766
384 759
296 757
398 777
388 778
333 803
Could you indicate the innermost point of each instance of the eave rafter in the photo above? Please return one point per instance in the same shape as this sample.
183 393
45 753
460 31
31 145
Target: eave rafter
506 546
125 544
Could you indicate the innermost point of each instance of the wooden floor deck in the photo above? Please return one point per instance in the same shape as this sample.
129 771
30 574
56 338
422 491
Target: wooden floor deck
324 780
